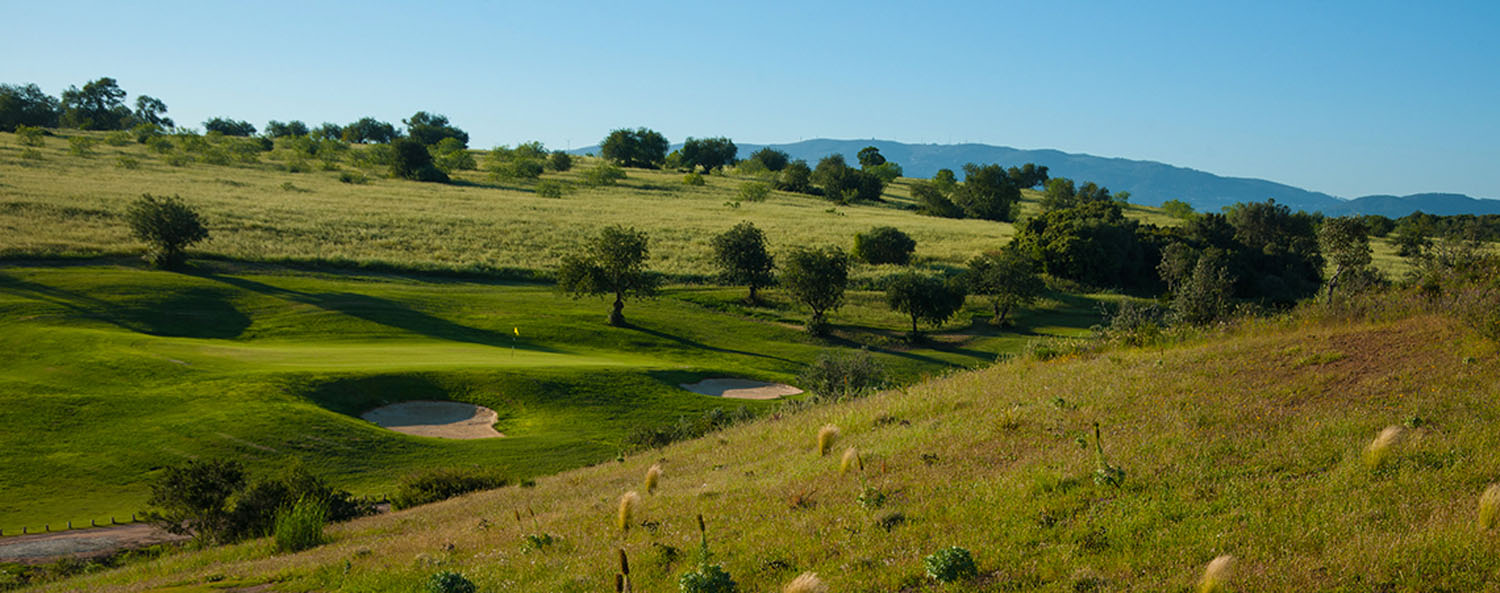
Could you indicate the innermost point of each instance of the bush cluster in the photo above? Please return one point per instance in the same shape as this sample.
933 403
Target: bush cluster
442 484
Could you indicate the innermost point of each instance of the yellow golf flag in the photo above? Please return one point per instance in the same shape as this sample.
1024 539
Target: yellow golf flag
518 331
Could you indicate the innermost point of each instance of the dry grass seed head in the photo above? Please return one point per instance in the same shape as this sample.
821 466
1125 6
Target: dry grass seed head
1216 576
628 503
807 582
1380 449
826 436
851 459
653 475
1489 508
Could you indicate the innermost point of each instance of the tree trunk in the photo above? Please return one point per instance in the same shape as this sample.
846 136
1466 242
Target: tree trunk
617 315
754 298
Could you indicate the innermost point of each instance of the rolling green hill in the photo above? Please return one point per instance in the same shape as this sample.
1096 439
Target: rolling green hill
1251 444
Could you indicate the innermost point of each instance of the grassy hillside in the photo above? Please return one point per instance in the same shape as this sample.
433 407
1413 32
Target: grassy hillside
108 373
1248 444
63 204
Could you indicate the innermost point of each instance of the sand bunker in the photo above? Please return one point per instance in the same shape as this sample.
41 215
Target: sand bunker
444 420
741 388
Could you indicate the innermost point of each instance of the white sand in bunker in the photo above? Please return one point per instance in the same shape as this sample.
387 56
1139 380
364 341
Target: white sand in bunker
444 420
740 388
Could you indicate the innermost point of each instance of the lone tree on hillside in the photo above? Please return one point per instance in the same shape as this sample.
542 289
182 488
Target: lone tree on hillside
816 278
614 262
167 226
641 148
709 153
99 105
870 156
414 162
1008 279
1344 244
925 298
194 499
884 245
743 258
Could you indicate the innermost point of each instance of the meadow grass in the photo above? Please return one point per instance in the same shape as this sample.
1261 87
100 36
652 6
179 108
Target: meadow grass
1233 450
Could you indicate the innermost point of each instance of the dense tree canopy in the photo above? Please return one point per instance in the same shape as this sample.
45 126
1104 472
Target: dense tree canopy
1028 176
276 129
167 226
870 156
709 153
431 128
99 105
771 159
796 176
743 258
816 278
987 192
884 245
1006 279
413 161
27 106
925 298
612 263
841 183
1092 243
151 110
229 127
369 130
641 148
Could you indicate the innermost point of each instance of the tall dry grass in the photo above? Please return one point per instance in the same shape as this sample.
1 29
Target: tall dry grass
826 436
628 503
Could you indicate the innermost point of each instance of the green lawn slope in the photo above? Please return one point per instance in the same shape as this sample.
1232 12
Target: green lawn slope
110 372
1249 444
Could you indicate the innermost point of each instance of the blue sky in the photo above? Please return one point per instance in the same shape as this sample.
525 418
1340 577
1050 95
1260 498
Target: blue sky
1349 98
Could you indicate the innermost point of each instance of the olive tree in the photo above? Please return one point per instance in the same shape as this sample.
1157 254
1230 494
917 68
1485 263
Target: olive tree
884 245
816 278
167 226
612 263
1007 279
925 298
743 258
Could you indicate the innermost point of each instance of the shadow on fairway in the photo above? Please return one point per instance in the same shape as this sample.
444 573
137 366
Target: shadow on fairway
192 313
384 312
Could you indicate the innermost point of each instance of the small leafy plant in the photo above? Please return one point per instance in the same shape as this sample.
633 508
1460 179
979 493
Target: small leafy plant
950 564
1105 474
448 581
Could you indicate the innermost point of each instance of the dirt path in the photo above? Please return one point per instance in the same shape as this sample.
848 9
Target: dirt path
81 543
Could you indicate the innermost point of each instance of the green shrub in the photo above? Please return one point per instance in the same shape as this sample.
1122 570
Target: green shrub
354 177
551 189
693 179
179 160
30 136
442 484
31 154
448 581
950 564
560 161
840 374
118 138
159 144
301 526
81 146
127 162
708 578
412 161
167 226
754 191
884 245
603 174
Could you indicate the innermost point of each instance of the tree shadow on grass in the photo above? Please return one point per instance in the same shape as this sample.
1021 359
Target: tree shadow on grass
191 313
384 312
700 345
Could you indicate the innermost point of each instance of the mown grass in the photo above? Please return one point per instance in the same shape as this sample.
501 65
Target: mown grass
108 373
1229 448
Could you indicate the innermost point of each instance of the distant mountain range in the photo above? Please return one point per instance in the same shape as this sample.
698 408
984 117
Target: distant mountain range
1148 182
